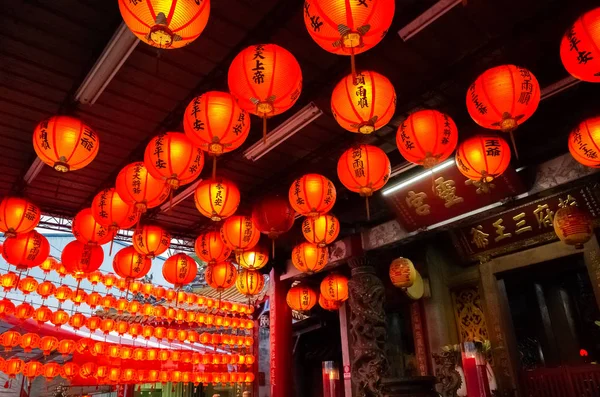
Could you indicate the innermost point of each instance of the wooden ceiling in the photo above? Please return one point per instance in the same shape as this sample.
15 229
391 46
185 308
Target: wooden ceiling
47 48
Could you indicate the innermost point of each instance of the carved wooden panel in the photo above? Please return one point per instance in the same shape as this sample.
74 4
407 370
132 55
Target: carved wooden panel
469 315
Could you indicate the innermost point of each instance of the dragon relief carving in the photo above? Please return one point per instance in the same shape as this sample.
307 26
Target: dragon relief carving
368 333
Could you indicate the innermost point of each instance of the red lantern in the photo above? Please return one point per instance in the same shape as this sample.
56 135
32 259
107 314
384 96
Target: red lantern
14 366
77 321
7 308
215 122
151 240
312 195
268 87
584 142
45 289
93 300
402 273
250 282
66 347
483 158
29 341
166 25
273 216
573 226
26 250
364 169
87 369
121 305
24 311
48 344
137 187
27 285
94 277
109 280
50 371
9 281
65 143
107 325
63 293
70 370
310 258
130 264
217 199
59 318
93 323
322 230
49 264
79 296
134 330
32 369
17 216
427 137
579 48
335 287
108 302
364 102
220 276
173 158
211 249
254 258
111 212
301 298
179 270
240 233
88 231
80 258
42 315
10 339
134 307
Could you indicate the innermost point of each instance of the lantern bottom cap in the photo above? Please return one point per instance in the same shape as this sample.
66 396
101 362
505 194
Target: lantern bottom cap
10 233
366 129
352 40
430 162
61 166
265 108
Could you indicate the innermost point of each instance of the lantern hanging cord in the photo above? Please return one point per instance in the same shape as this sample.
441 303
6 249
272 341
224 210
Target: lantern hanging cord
265 129
368 209
214 170
353 65
512 139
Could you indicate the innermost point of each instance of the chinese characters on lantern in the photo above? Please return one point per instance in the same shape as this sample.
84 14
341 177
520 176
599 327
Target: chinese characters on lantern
258 76
583 55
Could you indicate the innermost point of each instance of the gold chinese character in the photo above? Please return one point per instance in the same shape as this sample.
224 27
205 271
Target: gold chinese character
500 231
544 216
417 201
447 192
566 202
521 224
480 239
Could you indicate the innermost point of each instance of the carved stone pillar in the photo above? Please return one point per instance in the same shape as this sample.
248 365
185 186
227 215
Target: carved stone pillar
367 329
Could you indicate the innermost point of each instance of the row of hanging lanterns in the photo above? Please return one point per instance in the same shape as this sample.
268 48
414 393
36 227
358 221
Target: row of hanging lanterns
333 293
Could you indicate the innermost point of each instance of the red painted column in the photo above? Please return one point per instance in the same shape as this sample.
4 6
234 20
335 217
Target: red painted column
419 332
280 321
256 352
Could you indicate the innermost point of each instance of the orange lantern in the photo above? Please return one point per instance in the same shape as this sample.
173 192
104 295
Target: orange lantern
211 249
122 284
579 48
24 311
61 270
66 347
80 258
171 313
79 296
153 375
70 370
181 297
9 281
151 240
50 371
101 373
93 323
121 305
44 289
301 298
137 187
159 333
179 270
42 315
220 276
328 304
503 97
107 325
254 258
170 295
573 226
94 277
159 311
114 373
427 137
77 320
65 143
29 341
312 195
139 354
111 212
26 250
173 158
402 273
335 287
130 264
215 122
32 369
273 216
113 351
93 300
147 310
134 329
250 282
363 103
18 215
48 344
27 285
109 280
171 335
15 366
483 158
63 293
217 199
134 307
266 80
166 24
49 264
147 332
87 230
239 233
59 318
87 369
83 345
310 258
128 374
321 230
584 142
10 339
147 289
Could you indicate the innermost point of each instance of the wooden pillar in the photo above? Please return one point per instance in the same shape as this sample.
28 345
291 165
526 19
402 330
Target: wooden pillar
346 353
280 319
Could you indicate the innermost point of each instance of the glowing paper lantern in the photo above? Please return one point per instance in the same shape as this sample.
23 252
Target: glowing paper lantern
18 215
266 80
312 195
111 212
254 258
88 231
217 199
14 366
130 264
573 226
80 258
59 318
166 24
363 103
179 270
309 258
6 307
301 298
580 47
32 369
49 264
137 187
65 143
483 158
402 273
48 344
24 311
335 287
26 250
173 158
9 281
273 216
29 341
239 233
220 276
329 305
42 315
151 240
211 249
322 230
427 137
250 282
10 339
27 285
584 142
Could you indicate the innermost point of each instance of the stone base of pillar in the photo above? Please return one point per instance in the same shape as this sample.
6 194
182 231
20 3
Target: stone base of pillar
418 386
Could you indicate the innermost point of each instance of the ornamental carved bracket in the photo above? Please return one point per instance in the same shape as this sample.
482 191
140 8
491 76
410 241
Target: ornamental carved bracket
446 373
